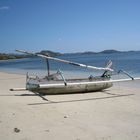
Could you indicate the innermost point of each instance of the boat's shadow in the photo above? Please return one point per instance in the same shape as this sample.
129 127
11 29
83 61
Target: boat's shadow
47 101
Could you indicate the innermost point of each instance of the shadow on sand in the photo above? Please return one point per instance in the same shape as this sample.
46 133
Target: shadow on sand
109 95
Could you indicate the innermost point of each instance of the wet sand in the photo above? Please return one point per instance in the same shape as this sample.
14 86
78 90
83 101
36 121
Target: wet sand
113 114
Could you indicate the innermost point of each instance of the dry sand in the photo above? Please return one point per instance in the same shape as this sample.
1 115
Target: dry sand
110 115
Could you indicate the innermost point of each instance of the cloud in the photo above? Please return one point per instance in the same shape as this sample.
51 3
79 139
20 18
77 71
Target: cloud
4 8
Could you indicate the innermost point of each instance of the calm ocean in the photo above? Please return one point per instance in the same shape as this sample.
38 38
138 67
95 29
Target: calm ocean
129 62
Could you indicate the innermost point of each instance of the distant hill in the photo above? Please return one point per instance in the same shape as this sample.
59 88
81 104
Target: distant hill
50 53
89 53
109 51
54 54
4 56
79 53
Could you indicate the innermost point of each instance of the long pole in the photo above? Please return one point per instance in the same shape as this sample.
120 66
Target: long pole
65 61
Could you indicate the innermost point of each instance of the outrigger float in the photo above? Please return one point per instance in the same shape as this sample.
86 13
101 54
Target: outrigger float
57 84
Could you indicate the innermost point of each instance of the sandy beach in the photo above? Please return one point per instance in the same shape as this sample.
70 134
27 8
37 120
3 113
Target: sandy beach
113 114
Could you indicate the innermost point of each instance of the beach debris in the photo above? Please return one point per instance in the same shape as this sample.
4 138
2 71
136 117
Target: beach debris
47 130
17 130
65 116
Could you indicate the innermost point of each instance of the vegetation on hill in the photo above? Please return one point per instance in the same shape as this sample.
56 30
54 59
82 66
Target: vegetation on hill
4 56
50 53
109 51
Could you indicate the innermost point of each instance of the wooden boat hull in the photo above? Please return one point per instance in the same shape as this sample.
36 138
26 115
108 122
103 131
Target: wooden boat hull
68 89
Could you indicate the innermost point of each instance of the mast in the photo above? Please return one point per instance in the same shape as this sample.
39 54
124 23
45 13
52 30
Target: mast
48 66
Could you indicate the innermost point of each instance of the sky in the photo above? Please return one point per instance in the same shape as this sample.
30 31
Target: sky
69 25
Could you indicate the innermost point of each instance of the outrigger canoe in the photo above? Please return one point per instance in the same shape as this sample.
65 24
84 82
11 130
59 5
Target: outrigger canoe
51 84
70 86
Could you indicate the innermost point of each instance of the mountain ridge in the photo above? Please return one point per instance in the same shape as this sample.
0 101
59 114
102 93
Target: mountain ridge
4 56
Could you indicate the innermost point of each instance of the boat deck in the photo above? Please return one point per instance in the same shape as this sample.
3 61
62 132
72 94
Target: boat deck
59 81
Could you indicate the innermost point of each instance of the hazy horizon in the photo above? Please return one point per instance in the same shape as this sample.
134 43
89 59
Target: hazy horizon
14 51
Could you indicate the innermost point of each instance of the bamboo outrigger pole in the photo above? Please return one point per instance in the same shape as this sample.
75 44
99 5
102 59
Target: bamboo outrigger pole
42 86
65 61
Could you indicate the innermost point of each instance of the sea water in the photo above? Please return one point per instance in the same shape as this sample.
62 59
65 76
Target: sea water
128 61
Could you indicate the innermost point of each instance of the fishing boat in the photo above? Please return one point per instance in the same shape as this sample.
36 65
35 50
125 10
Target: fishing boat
56 83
